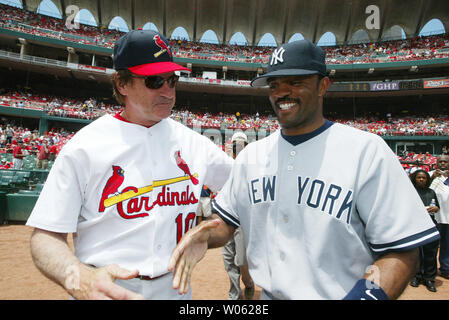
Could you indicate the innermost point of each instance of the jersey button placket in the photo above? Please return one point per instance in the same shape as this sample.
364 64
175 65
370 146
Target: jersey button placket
291 160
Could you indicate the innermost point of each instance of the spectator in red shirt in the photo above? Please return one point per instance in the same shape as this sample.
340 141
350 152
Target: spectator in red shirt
18 156
53 152
43 156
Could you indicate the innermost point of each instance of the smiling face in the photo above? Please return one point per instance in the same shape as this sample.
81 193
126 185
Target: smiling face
298 102
147 106
443 162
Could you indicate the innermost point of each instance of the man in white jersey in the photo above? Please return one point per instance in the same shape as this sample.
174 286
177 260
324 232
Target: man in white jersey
326 210
440 184
127 186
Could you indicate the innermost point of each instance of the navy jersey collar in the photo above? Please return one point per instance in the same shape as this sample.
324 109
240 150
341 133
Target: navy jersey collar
300 138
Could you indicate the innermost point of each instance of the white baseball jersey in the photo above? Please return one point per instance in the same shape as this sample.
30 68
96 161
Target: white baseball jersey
98 188
442 192
316 211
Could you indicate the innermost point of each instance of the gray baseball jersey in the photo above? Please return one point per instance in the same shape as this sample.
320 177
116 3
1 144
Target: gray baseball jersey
318 209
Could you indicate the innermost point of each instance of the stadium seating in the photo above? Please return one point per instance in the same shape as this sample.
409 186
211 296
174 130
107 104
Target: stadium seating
6 178
20 205
19 191
3 208
14 179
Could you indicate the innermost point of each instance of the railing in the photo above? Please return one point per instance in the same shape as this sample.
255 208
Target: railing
32 59
19 26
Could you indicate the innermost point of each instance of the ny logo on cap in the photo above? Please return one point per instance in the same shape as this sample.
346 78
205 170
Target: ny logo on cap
277 56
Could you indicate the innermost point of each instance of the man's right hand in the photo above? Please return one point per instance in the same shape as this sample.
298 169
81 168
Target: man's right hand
98 283
53 256
189 251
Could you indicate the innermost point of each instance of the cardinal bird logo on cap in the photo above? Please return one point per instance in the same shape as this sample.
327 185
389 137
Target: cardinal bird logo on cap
161 44
184 167
112 185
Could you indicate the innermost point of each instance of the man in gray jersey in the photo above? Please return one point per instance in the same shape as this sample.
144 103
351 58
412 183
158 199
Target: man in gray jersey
325 208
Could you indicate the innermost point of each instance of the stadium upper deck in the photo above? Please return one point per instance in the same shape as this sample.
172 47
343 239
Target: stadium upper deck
415 48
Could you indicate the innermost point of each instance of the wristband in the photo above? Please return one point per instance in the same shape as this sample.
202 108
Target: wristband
366 290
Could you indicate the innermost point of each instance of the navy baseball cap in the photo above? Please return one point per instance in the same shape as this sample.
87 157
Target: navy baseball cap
296 58
146 53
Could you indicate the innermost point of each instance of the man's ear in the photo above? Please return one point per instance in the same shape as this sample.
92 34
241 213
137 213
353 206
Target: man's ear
324 85
120 85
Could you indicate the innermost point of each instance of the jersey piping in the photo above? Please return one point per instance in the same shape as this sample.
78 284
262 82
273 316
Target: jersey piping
407 243
228 218
301 138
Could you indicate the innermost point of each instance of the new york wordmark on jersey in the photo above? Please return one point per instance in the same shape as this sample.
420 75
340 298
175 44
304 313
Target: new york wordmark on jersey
314 193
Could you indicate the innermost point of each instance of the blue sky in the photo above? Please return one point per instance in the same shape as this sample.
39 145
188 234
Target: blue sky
47 7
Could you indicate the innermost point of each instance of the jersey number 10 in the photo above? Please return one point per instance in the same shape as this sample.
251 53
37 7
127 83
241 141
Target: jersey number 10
187 223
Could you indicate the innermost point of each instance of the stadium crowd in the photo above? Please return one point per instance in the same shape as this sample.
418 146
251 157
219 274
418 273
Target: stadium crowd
437 125
398 50
418 48
30 141
90 109
11 135
46 26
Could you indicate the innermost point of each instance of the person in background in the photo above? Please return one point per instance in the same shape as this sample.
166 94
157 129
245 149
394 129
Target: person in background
428 270
440 184
204 207
234 252
43 156
9 131
18 155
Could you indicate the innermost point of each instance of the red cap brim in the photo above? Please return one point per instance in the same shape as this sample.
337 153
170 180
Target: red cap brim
152 69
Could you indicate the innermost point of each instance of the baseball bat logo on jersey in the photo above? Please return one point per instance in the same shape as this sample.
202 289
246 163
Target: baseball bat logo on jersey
136 198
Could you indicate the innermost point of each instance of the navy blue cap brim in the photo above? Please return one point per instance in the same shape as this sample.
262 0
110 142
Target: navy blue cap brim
261 81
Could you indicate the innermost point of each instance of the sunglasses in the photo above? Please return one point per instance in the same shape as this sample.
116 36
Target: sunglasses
156 82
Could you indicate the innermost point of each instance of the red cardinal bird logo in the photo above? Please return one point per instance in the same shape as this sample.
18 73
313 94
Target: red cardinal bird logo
112 185
184 167
161 44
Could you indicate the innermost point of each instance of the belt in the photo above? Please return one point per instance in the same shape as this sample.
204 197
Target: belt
141 277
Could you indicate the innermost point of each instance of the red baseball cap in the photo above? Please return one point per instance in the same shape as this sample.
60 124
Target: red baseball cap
146 53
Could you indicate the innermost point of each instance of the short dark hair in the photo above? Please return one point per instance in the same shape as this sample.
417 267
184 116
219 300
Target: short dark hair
414 174
123 77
